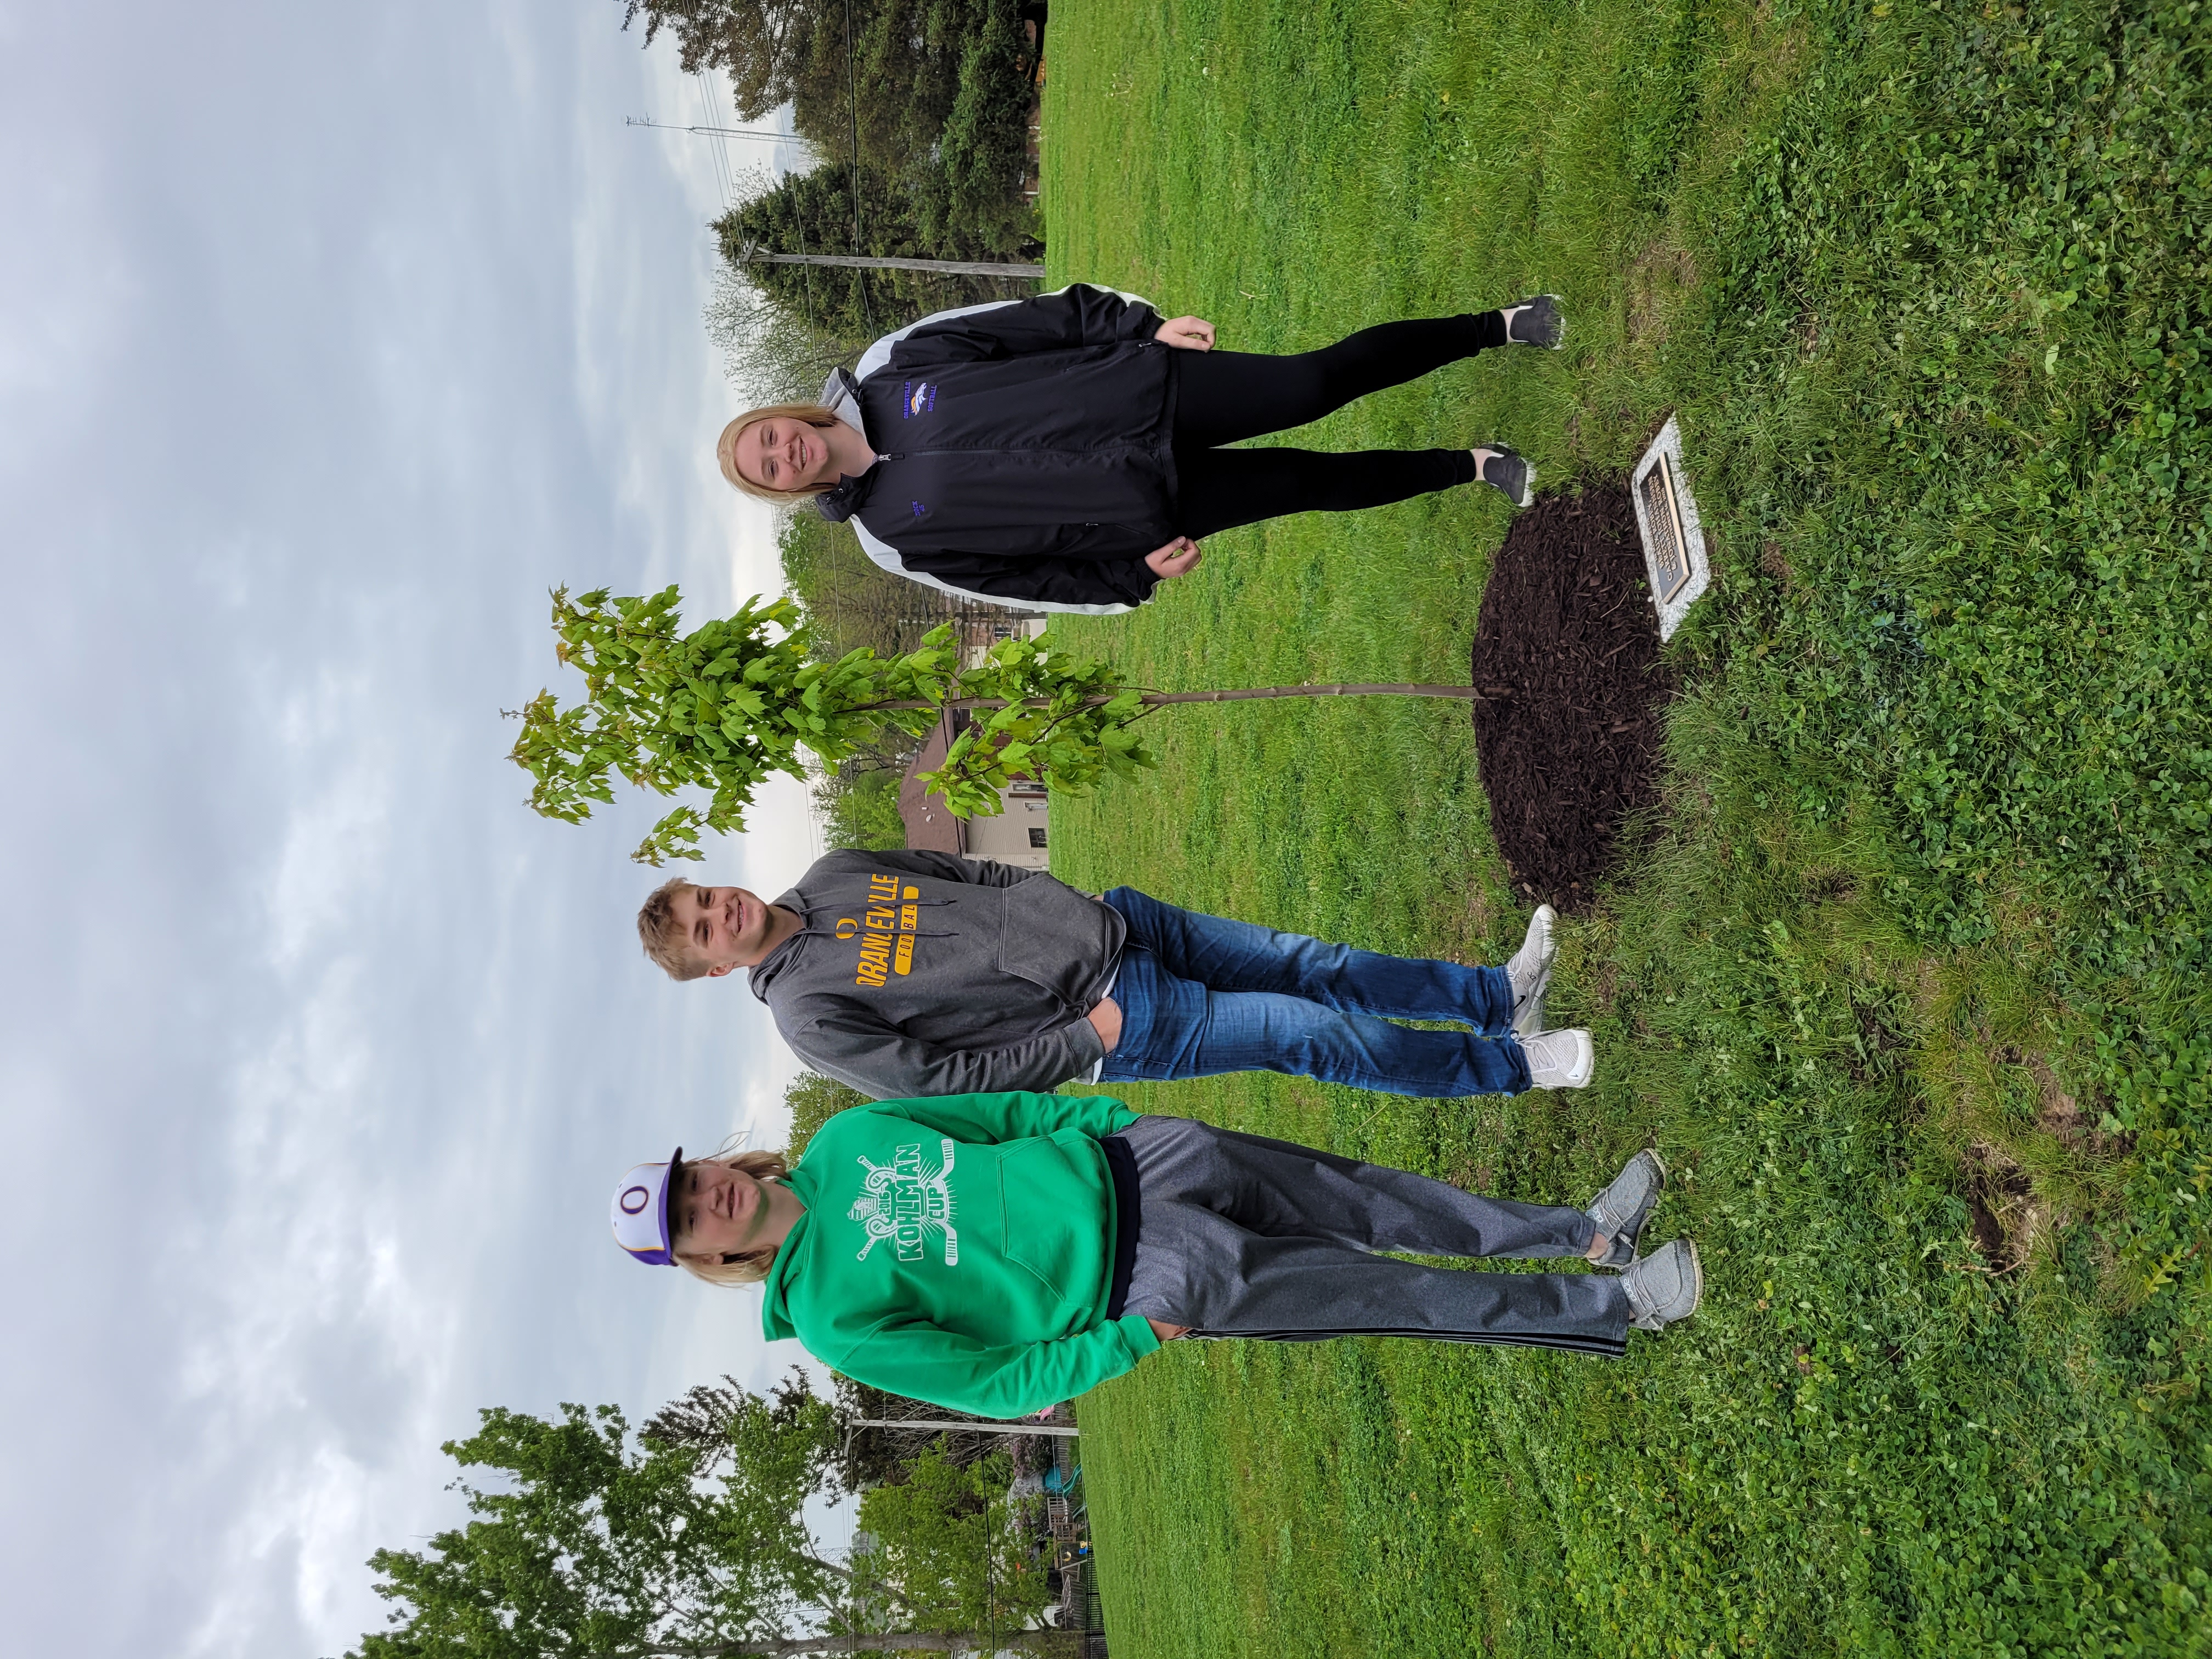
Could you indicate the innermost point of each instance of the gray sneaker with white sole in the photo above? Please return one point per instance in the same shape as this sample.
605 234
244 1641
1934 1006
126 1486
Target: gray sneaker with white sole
1625 1205
1560 1059
1530 971
1664 1287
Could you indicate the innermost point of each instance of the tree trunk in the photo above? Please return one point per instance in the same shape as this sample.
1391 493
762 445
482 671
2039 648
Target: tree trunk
1157 699
1028 1641
1395 689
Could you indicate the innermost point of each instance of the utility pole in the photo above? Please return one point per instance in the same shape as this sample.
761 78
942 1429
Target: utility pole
752 254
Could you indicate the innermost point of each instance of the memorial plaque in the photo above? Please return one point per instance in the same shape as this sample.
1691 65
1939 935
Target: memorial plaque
1667 519
1670 564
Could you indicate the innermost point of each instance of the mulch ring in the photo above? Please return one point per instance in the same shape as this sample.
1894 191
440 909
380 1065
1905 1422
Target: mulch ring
1566 654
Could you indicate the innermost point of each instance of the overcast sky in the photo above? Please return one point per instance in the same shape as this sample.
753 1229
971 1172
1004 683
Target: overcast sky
330 338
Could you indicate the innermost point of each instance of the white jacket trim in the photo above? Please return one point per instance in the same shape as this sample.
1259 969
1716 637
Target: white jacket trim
885 557
880 353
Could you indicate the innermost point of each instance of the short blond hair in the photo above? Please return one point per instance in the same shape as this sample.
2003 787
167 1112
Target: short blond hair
667 941
750 1266
726 450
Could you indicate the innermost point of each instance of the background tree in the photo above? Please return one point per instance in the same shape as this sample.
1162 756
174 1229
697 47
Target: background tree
775 349
966 205
722 707
847 600
911 64
983 152
782 1440
945 1546
815 1099
875 1455
859 808
691 1542
920 112
593 1546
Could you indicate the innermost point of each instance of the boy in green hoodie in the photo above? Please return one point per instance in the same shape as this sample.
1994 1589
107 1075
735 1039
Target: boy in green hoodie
998 1253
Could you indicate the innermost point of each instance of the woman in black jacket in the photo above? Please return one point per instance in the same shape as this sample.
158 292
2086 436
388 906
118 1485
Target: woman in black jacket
1065 451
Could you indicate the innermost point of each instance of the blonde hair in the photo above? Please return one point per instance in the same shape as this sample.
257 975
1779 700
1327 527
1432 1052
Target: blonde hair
750 1266
663 936
726 450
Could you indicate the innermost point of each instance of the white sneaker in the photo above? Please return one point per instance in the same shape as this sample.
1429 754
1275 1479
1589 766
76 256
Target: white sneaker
1530 971
1560 1059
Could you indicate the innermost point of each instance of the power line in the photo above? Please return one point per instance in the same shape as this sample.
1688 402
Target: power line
721 152
716 132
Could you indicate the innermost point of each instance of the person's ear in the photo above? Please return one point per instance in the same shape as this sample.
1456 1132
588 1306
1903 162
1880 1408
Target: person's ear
721 969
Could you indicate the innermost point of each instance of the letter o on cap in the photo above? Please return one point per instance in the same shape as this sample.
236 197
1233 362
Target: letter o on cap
635 1200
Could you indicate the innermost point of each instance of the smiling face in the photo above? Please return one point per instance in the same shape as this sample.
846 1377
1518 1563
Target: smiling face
783 453
714 1210
724 928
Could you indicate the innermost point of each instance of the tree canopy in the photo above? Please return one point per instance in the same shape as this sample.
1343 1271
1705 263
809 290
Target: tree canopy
589 1544
923 81
919 111
815 1099
921 209
944 1537
692 1539
721 707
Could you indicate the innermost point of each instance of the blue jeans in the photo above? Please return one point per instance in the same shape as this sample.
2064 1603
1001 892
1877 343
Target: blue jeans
1200 995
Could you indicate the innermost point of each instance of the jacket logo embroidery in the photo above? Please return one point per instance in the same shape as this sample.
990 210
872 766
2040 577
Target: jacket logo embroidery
906 1200
916 398
885 931
919 509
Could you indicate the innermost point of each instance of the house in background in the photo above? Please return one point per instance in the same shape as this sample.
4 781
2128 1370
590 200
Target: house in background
1016 836
980 631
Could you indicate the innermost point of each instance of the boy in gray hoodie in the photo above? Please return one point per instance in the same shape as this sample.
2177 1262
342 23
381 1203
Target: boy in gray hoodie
914 974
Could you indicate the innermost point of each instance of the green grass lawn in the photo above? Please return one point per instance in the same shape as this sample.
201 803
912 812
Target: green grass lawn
1924 918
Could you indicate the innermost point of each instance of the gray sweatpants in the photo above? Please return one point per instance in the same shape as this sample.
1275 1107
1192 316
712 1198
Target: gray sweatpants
1241 1236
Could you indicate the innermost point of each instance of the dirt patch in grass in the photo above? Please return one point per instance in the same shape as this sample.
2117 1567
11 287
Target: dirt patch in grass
2007 1216
1566 654
1657 279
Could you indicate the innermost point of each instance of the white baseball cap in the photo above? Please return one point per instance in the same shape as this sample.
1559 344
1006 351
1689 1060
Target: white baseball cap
640 1211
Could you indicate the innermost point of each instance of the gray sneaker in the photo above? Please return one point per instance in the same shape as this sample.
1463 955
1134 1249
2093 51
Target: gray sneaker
1530 971
1664 1287
1538 320
1560 1059
1623 1207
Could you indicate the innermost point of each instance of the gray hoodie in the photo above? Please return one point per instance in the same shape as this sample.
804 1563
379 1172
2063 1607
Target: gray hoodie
921 974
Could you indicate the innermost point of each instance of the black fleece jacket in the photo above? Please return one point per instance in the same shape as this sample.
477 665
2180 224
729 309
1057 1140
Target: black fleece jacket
1024 452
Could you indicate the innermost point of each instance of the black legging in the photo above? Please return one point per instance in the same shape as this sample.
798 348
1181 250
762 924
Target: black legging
1225 396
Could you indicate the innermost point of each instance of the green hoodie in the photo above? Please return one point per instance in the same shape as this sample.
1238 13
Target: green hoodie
959 1250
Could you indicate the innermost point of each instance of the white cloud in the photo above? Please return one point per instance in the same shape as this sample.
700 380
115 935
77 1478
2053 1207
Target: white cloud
312 383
